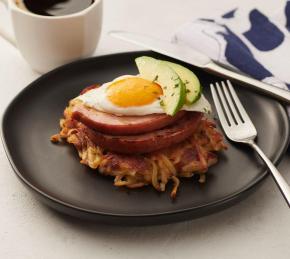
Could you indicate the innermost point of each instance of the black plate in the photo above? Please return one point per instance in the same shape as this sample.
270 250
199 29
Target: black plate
54 173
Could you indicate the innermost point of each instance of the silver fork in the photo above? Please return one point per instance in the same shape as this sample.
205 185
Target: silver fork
238 127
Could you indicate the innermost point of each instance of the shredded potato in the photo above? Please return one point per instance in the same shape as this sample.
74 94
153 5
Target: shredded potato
185 159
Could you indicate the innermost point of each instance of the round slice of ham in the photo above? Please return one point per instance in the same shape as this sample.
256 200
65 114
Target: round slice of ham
148 142
122 125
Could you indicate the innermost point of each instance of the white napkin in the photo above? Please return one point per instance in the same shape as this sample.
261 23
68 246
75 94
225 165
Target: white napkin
249 39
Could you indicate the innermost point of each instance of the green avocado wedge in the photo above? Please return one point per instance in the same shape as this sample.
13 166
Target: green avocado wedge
174 90
192 84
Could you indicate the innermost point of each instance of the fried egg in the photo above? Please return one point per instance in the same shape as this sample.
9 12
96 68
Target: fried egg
132 95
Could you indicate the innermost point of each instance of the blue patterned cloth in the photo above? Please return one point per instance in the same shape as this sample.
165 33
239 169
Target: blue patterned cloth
249 40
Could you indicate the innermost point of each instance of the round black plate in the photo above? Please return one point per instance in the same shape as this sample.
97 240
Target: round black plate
54 173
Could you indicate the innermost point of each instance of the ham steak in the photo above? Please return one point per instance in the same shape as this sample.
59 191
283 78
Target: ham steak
122 125
132 134
147 142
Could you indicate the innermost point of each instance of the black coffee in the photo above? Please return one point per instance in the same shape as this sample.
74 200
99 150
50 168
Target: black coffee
56 7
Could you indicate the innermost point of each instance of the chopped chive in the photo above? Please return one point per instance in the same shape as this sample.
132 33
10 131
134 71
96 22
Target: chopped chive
206 110
172 94
176 85
186 82
156 78
187 91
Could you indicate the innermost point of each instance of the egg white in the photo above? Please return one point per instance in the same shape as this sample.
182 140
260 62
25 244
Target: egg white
97 99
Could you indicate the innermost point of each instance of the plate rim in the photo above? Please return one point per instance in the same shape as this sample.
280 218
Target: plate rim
35 189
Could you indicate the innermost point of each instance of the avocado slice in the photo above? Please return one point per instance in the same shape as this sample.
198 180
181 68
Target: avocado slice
158 71
192 84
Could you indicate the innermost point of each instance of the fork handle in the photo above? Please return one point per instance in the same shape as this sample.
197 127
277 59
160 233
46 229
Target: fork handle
279 179
275 92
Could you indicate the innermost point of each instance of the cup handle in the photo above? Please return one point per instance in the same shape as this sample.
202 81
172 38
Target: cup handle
3 33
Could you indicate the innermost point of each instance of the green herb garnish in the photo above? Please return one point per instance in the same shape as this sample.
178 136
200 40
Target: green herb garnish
155 78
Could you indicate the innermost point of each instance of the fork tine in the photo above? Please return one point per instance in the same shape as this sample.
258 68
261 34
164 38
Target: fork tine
241 109
236 116
218 106
224 104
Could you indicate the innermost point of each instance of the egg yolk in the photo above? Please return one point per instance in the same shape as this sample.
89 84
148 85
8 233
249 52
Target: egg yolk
133 92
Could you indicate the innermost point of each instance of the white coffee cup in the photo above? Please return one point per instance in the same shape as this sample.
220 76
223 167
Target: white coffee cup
50 41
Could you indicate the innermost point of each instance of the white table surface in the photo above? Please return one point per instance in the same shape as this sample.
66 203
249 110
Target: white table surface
258 227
